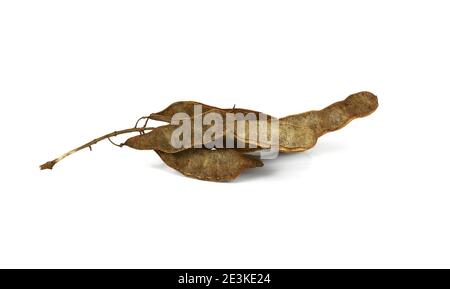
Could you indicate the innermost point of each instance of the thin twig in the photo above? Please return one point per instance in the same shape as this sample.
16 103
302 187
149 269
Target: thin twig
49 165
146 121
117 145
141 118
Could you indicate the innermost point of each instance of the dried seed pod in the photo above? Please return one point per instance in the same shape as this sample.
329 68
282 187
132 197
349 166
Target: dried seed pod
291 138
210 165
336 115
297 132
177 107
294 138
160 138
157 139
188 108
251 143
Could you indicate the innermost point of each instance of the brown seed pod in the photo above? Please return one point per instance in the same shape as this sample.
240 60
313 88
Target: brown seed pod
296 132
337 115
188 108
160 138
210 165
294 138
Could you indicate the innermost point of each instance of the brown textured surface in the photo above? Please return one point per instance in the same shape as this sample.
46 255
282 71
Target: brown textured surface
188 108
210 165
294 138
160 137
157 139
297 132
336 115
307 127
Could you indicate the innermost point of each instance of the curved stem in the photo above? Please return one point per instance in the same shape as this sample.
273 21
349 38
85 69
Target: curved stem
49 165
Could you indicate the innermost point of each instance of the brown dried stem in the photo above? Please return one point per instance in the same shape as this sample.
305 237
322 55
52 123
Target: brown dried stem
49 165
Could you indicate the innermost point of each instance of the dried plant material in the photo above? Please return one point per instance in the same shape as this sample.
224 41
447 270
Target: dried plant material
297 132
157 139
161 138
294 138
49 165
180 106
250 143
337 115
192 155
187 107
210 165
309 126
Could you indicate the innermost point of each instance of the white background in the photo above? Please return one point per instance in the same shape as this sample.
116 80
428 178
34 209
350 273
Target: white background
374 194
